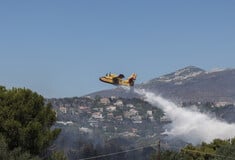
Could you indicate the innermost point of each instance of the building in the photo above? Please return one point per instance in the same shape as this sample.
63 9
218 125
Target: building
132 112
84 109
105 101
118 103
150 113
165 119
97 115
130 105
111 108
63 109
136 119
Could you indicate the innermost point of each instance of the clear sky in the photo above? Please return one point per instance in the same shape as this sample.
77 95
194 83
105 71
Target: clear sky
60 48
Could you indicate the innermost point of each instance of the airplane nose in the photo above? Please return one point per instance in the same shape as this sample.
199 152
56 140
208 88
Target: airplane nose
101 79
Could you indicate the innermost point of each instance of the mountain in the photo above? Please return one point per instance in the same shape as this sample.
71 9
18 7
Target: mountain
190 84
116 120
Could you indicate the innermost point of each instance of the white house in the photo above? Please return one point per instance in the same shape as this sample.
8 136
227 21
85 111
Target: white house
111 108
97 115
105 101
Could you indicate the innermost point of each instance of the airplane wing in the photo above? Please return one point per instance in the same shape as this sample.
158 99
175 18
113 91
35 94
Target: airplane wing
121 76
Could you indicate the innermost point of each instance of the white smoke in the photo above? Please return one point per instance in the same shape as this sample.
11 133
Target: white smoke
188 125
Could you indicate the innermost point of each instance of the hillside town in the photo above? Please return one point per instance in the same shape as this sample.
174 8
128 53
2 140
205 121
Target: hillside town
114 117
111 116
123 123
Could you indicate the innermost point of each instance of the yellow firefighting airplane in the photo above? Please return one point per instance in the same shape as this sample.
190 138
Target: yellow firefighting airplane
118 79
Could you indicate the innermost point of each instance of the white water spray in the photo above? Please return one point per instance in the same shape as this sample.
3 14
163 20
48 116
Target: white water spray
190 126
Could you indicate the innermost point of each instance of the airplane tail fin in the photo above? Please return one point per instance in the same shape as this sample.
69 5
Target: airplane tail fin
132 79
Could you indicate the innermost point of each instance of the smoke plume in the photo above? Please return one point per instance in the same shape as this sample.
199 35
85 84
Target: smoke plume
190 125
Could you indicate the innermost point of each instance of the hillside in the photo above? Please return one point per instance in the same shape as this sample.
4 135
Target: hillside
99 122
117 123
190 84
119 119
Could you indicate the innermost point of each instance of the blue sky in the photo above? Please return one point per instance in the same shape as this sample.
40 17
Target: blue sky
61 48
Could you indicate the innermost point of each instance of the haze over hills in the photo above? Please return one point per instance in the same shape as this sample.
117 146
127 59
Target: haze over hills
190 84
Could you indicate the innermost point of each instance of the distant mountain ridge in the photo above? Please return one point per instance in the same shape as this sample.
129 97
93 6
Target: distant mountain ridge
189 84
179 75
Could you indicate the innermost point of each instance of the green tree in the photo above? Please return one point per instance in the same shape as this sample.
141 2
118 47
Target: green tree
216 150
15 154
25 121
57 156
